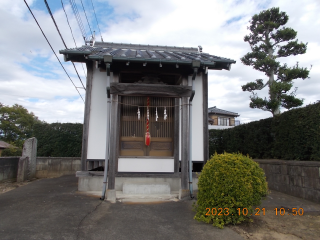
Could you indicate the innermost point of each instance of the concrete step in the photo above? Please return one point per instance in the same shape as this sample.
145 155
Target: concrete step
145 188
140 198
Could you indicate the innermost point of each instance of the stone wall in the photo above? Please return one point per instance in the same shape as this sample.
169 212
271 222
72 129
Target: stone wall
297 178
8 167
57 166
28 161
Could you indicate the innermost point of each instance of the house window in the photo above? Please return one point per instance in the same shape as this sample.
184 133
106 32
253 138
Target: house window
223 121
133 129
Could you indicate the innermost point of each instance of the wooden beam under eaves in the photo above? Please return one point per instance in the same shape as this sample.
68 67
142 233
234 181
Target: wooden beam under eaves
159 90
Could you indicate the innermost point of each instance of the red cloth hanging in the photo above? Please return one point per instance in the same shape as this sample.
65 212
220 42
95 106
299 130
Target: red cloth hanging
148 135
147 138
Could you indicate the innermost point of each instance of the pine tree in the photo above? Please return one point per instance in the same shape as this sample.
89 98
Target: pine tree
269 42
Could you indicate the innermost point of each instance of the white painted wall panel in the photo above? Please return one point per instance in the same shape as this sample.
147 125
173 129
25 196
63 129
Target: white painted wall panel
98 116
197 120
145 165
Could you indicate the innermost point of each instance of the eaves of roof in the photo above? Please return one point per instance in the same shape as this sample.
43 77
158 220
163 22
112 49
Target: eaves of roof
147 53
215 110
4 145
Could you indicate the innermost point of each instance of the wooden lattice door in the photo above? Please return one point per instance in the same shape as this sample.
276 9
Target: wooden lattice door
133 128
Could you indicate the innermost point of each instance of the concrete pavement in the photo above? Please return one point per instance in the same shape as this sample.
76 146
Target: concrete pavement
53 209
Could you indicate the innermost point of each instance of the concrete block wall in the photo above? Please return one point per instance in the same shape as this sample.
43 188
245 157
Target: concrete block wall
57 166
296 178
8 167
45 167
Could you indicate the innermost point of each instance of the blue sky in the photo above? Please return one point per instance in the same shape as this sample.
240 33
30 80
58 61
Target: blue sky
31 75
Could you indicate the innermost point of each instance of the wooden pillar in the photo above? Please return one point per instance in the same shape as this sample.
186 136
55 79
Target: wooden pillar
87 107
118 132
113 158
205 117
184 138
176 136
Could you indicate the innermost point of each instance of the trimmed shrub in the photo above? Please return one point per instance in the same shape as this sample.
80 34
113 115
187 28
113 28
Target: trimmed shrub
9 152
229 186
293 135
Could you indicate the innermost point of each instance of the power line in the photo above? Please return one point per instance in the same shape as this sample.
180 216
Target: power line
52 48
72 34
78 18
49 10
86 17
97 21
68 23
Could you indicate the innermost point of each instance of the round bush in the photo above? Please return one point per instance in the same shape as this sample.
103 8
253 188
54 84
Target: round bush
229 185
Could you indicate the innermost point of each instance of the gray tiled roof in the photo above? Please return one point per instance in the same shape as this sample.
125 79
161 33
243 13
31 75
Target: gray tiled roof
222 112
149 53
145 47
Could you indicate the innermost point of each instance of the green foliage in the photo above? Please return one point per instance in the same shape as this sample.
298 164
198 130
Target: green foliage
16 124
293 135
253 138
229 183
8 152
265 38
59 139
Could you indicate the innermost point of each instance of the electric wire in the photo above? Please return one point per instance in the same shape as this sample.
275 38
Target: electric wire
68 23
78 18
52 48
54 21
72 35
97 21
86 17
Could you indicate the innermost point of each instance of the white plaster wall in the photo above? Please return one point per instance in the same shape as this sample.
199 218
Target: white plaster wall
197 119
145 165
98 116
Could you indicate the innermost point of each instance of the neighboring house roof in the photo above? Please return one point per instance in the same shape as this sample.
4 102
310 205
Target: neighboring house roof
4 145
147 53
215 110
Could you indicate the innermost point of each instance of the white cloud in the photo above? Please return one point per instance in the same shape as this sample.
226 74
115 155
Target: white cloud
29 70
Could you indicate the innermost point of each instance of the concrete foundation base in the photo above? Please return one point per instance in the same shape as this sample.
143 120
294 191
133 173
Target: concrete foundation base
88 181
111 195
156 187
135 188
183 193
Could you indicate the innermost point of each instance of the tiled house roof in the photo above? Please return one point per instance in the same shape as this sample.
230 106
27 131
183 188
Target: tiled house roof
4 145
215 110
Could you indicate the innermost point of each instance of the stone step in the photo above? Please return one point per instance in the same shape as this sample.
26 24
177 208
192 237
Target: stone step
146 188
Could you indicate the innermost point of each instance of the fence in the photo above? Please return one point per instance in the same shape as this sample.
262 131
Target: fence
46 167
8 168
297 178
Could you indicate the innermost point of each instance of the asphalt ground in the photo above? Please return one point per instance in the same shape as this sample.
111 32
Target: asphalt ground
53 209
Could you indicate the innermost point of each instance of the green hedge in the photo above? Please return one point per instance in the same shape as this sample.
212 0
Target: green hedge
58 139
10 152
293 135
